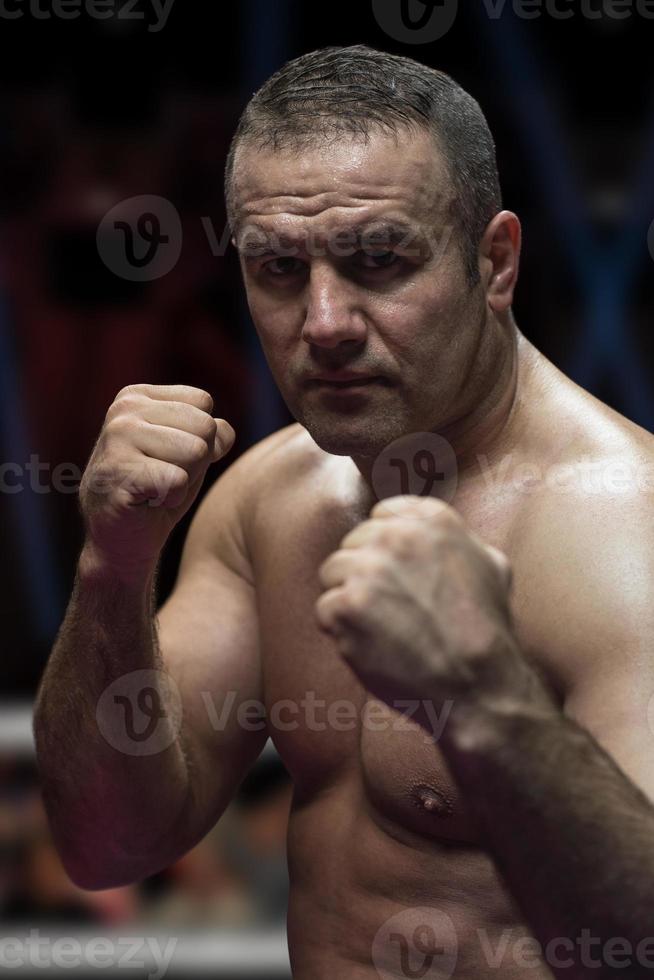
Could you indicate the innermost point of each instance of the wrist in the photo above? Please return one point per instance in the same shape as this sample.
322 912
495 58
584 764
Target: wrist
485 724
506 691
96 568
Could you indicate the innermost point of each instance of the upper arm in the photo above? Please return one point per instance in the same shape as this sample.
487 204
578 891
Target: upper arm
209 643
597 617
611 693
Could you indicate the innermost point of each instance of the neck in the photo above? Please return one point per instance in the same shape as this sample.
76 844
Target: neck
491 428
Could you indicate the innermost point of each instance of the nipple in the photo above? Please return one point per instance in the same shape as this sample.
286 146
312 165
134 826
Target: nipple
432 800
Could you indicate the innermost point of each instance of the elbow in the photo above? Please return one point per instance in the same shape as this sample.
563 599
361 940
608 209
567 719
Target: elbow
95 866
92 877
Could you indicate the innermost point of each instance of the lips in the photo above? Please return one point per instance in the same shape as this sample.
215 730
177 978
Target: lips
342 379
350 383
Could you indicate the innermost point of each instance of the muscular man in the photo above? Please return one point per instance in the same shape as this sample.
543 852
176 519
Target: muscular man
458 682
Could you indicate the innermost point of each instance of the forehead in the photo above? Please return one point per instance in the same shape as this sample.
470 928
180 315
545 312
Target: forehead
404 178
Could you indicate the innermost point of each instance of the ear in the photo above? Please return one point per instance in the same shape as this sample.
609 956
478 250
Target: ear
500 258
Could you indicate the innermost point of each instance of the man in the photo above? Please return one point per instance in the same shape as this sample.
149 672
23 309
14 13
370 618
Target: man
458 683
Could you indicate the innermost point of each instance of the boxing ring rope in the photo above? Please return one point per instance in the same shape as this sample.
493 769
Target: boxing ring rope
16 736
226 954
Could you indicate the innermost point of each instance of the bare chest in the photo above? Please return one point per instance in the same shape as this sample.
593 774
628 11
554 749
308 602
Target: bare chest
324 724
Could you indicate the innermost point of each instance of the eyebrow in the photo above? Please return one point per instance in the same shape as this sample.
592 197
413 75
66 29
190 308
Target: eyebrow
261 242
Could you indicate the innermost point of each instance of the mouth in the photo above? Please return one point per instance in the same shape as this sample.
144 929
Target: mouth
344 382
347 385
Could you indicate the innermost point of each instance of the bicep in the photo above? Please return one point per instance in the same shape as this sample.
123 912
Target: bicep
209 642
611 687
617 708
591 608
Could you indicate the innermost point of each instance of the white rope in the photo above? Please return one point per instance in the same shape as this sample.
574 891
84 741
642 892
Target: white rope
16 730
224 955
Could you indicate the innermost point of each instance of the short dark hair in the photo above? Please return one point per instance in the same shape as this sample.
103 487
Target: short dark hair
358 90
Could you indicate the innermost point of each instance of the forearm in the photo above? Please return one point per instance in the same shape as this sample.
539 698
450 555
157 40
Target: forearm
111 812
572 835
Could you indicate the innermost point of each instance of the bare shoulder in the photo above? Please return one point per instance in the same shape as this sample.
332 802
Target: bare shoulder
230 512
290 454
592 462
583 542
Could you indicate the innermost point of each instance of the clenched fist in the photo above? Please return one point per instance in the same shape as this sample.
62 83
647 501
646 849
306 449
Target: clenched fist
419 608
146 469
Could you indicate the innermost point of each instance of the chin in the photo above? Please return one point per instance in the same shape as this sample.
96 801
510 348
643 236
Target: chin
344 447
350 437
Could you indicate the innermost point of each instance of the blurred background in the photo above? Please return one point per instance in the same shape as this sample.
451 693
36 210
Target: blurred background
94 112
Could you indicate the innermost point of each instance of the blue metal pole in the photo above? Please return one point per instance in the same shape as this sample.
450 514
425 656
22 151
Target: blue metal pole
25 507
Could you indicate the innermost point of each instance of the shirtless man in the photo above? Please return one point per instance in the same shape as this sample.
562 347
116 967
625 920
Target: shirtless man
513 612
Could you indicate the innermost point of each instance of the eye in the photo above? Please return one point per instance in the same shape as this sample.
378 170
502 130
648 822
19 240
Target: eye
283 266
377 260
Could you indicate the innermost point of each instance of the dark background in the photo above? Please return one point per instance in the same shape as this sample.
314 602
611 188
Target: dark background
95 112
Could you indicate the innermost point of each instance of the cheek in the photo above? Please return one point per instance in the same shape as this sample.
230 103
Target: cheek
419 326
277 322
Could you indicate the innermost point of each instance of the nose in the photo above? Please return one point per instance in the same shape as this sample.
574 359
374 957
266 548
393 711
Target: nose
331 316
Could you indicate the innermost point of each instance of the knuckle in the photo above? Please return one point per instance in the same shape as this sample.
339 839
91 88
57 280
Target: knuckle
168 480
122 404
179 478
402 539
375 562
356 599
117 426
205 401
207 429
129 391
197 449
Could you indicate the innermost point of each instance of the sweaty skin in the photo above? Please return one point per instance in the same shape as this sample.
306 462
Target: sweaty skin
378 825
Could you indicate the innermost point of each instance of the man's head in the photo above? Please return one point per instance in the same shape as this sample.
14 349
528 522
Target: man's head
359 91
363 195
